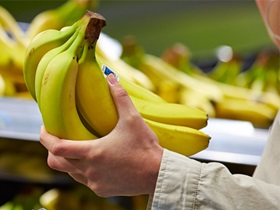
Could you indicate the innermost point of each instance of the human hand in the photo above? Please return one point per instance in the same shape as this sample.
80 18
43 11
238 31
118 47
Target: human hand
124 163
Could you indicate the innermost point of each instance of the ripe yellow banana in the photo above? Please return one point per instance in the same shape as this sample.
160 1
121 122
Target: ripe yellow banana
171 113
57 100
193 99
242 93
39 46
8 22
132 88
9 88
66 14
169 91
260 115
11 57
2 86
94 100
157 65
159 71
125 70
181 139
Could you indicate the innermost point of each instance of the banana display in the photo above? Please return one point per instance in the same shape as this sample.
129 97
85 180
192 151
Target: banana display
246 94
69 85
170 78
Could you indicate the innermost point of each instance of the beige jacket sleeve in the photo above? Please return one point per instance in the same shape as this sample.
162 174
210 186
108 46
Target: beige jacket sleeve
184 183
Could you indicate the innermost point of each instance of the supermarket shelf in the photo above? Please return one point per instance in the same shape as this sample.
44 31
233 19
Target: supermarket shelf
234 141
231 141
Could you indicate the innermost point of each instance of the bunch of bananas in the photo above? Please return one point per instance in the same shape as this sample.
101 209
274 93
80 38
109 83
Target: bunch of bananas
171 84
240 100
63 72
14 40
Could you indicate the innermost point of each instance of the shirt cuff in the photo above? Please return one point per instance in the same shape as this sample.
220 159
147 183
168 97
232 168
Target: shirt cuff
177 183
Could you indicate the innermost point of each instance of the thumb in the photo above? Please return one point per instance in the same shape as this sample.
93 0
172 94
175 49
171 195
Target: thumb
120 96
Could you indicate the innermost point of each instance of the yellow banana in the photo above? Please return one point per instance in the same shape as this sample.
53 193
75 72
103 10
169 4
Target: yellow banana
45 60
2 86
171 113
193 99
57 100
41 44
169 91
159 71
9 87
181 139
157 65
236 92
172 136
132 88
125 70
11 58
9 23
94 100
260 115
66 14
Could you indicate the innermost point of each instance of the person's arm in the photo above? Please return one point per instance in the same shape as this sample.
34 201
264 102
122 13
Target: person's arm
188 184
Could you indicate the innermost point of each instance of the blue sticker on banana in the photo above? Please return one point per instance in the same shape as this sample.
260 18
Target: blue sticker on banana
106 71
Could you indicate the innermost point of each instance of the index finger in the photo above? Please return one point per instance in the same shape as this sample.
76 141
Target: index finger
120 96
63 147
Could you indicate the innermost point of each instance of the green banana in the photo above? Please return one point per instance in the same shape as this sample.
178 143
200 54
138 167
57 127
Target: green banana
39 46
45 60
184 140
171 113
227 71
57 100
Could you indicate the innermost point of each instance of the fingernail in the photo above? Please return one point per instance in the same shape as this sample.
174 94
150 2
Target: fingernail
107 71
112 79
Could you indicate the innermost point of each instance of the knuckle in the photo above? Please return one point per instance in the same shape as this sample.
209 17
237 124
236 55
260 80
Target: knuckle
120 92
132 117
57 149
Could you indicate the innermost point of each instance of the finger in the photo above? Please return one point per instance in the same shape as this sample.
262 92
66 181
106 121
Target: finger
120 96
79 178
62 147
63 164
